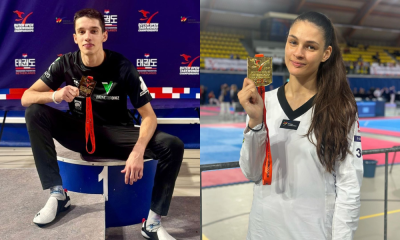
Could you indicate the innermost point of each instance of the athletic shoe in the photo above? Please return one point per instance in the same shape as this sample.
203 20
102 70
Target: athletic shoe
56 204
161 233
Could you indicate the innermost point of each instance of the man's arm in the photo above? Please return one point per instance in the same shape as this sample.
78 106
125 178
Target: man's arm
147 128
134 165
39 93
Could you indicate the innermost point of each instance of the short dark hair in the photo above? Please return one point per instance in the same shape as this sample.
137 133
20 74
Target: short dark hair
90 13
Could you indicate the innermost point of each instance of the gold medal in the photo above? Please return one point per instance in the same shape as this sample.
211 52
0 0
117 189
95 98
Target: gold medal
86 86
259 69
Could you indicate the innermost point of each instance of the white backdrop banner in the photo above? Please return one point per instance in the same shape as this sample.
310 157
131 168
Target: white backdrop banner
225 64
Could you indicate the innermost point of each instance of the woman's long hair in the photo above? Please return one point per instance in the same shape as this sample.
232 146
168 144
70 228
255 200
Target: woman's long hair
335 108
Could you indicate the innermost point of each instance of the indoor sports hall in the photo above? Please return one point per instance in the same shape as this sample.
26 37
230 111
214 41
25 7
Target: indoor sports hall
369 37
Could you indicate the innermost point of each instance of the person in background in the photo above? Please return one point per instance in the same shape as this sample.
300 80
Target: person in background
376 57
378 93
224 99
203 94
212 99
234 97
392 93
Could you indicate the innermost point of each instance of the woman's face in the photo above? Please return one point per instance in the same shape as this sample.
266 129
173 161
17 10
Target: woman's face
305 49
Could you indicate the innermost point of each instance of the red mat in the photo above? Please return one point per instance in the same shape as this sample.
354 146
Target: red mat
208 113
231 176
213 109
381 132
222 177
371 143
225 125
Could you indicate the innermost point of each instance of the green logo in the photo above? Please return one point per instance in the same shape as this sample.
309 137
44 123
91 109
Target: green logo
107 86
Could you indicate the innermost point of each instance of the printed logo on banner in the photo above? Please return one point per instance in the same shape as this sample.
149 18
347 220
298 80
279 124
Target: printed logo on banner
148 26
23 26
189 19
146 65
63 20
24 65
111 21
189 69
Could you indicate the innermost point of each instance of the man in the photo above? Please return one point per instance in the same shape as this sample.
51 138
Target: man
115 133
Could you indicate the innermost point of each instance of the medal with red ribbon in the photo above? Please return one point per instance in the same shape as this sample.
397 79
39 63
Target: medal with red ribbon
86 87
259 69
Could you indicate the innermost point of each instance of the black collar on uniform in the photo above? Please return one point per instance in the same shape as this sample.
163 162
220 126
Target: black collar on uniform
286 107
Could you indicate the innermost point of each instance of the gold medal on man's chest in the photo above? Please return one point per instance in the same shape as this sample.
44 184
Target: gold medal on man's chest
259 69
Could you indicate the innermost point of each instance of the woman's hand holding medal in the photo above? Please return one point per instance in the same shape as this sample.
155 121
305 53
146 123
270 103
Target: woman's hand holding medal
251 102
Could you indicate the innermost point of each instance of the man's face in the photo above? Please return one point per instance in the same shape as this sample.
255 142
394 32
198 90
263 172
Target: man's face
88 35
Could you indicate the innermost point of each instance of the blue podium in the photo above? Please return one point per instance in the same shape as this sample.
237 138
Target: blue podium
124 204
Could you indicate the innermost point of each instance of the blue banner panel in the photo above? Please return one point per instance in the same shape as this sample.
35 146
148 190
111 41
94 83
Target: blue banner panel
160 38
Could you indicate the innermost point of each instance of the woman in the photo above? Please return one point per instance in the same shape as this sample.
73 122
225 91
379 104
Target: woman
315 143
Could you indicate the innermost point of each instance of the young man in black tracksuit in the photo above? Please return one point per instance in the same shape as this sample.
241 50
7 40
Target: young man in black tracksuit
116 136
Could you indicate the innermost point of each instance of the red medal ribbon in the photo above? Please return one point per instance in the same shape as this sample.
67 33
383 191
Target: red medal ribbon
267 164
89 130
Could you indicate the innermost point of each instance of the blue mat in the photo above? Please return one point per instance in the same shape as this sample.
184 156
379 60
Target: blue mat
220 144
382 124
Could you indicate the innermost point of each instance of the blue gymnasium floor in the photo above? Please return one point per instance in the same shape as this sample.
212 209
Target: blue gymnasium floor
223 144
220 144
390 124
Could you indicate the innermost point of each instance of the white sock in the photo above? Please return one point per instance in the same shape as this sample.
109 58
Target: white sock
58 192
153 221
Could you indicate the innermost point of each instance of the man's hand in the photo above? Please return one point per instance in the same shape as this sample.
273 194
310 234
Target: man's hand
67 93
134 167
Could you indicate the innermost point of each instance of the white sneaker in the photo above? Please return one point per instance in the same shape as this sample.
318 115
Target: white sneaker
160 234
56 204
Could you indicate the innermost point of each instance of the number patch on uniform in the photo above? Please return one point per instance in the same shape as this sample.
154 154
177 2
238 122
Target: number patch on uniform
358 152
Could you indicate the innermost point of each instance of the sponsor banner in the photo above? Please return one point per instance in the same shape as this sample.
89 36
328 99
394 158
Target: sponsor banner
225 64
189 19
20 24
111 21
188 68
64 20
146 65
147 23
384 70
25 65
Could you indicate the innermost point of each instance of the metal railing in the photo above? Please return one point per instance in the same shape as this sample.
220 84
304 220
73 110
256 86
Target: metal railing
219 166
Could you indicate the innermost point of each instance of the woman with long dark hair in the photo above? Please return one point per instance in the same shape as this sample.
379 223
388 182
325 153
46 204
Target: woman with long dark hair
314 142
